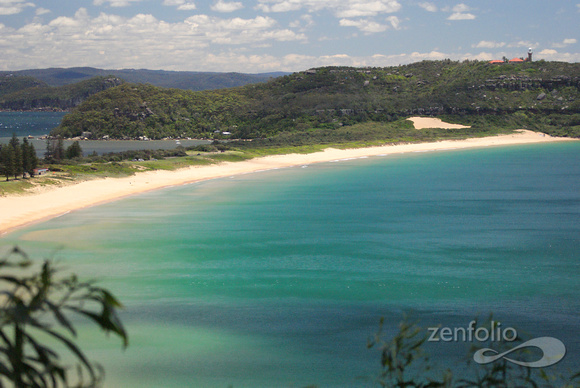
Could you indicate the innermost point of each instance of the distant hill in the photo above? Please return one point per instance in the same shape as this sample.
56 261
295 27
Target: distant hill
24 93
189 80
329 100
10 83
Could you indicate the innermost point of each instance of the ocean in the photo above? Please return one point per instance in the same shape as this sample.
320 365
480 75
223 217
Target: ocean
279 278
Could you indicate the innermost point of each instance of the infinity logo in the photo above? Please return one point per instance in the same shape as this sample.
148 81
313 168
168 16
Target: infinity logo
553 351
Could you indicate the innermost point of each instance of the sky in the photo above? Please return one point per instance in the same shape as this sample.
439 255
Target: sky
258 36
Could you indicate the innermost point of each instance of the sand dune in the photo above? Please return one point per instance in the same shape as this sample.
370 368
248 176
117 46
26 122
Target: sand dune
18 211
432 122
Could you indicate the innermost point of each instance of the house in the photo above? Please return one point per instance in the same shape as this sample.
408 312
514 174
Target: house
516 60
40 171
496 62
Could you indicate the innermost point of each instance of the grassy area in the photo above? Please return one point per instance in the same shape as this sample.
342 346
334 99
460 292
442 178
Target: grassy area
22 186
367 134
71 172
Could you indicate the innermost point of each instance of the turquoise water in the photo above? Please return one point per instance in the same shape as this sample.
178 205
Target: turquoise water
279 278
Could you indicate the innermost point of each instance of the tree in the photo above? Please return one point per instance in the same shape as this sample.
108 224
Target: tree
5 161
49 150
29 157
58 152
54 150
36 308
74 151
16 152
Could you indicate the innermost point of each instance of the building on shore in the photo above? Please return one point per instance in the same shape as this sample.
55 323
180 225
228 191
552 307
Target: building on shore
513 60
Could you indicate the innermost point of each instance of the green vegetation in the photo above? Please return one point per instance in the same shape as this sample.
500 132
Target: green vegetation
118 164
405 363
305 112
26 93
325 104
36 313
190 80
63 89
11 84
17 159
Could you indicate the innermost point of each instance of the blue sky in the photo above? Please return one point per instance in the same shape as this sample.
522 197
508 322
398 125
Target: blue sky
255 36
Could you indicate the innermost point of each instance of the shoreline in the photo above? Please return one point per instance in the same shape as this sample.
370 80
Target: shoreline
24 210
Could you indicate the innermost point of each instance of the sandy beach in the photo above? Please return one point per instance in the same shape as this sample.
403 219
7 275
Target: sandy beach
22 210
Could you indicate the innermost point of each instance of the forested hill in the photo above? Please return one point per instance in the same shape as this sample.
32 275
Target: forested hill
65 88
190 80
27 93
537 95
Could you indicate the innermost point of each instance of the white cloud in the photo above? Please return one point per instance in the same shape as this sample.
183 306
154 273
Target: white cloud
488 44
116 3
181 5
222 6
304 22
13 7
366 26
187 7
564 43
395 22
523 43
460 12
281 6
42 11
371 27
141 41
431 7
553 55
341 8
368 8
461 16
459 8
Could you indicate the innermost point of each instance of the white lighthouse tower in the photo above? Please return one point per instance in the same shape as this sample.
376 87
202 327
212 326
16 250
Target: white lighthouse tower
530 54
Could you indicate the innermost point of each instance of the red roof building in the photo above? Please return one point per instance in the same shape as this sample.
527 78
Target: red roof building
496 62
516 60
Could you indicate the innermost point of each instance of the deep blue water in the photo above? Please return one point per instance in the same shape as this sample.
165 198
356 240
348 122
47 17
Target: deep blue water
28 123
279 278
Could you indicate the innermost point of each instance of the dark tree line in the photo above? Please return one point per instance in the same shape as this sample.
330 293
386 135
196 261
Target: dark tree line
56 152
17 158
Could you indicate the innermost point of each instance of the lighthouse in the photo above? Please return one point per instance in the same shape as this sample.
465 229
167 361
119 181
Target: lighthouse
530 54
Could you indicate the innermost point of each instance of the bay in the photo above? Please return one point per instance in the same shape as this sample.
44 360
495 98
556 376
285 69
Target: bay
37 124
279 278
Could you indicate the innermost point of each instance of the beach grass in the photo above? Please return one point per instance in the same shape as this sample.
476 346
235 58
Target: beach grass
28 185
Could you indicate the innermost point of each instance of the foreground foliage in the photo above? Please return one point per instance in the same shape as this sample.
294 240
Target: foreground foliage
404 363
36 314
